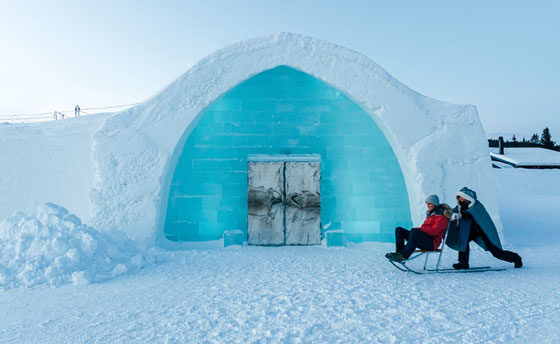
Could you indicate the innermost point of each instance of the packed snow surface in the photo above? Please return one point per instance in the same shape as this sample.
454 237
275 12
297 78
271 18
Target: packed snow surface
294 295
315 294
54 247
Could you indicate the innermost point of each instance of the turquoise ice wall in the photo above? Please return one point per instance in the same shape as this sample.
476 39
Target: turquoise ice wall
285 111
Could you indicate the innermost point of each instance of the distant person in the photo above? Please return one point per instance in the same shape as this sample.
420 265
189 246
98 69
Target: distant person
77 111
474 224
428 237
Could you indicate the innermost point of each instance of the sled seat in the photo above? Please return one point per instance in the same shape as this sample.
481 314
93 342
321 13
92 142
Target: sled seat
428 251
419 253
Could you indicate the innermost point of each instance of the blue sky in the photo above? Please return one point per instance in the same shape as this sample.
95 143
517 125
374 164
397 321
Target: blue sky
502 56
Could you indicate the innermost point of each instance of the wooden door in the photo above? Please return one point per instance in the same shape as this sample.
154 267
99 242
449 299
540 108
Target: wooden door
265 203
303 203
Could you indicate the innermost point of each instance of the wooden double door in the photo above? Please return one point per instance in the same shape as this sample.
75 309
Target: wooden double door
284 203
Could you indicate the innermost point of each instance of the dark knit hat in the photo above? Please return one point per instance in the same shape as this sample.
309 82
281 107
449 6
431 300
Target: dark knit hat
433 199
467 194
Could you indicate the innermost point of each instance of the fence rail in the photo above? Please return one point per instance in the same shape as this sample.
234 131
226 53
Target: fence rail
58 115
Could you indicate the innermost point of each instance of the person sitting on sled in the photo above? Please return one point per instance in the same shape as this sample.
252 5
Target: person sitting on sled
427 237
471 222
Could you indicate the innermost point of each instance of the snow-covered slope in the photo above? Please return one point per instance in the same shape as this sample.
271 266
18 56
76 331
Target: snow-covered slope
47 162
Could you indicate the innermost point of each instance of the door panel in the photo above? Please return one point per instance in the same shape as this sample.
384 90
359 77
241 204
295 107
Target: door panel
303 203
265 203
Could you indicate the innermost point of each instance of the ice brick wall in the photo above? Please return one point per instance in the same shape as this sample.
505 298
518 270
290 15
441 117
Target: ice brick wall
285 111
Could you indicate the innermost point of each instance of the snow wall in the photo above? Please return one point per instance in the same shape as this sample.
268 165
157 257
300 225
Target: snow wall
440 147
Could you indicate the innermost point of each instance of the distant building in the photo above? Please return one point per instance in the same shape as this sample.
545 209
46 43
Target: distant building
526 157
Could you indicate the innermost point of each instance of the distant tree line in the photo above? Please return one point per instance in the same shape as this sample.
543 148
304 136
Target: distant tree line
544 141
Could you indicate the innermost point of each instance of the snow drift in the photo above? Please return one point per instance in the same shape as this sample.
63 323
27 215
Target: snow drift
54 247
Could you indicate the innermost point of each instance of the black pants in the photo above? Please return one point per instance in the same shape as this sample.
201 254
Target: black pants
415 238
507 256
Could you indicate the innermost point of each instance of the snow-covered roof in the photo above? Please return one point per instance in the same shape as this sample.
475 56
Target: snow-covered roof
497 164
527 156
440 147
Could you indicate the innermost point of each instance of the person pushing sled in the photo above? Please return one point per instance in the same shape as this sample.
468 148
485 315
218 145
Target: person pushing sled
469 222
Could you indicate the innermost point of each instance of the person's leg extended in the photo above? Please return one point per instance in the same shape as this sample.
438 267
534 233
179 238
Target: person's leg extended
401 234
417 239
508 256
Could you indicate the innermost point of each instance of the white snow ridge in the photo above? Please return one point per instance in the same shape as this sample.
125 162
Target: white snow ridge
54 247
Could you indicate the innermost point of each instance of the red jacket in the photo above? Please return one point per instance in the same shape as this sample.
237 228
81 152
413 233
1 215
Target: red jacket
435 226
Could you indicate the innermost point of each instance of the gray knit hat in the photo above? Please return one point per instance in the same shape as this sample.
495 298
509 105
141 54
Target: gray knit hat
433 199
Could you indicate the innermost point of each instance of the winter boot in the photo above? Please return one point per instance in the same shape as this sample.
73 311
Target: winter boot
396 257
518 262
460 266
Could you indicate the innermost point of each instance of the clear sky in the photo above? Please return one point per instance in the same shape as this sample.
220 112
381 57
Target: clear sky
502 56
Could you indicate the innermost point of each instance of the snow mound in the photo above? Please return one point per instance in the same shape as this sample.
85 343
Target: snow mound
54 248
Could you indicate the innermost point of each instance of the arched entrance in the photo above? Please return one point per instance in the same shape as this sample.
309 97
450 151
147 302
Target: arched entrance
283 111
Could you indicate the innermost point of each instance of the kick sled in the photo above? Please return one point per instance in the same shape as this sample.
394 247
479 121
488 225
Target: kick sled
402 265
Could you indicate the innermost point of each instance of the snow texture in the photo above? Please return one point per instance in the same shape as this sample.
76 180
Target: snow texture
533 156
310 294
47 162
529 201
440 147
54 247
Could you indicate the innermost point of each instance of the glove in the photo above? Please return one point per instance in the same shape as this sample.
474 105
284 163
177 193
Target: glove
455 216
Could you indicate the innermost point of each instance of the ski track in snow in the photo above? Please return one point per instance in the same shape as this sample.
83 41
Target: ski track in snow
293 295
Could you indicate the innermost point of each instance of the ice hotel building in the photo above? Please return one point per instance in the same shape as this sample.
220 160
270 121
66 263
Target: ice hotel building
283 138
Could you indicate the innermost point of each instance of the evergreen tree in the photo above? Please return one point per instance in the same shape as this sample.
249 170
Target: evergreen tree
514 141
535 139
546 140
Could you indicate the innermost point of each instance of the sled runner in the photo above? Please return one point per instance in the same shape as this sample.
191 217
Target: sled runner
419 253
402 265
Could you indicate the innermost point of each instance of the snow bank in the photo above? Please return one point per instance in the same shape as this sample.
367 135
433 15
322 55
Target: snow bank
54 247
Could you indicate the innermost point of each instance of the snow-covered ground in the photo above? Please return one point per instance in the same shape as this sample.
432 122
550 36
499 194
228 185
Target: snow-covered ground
315 294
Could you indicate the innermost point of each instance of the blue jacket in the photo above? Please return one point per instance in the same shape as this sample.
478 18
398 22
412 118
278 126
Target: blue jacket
459 231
